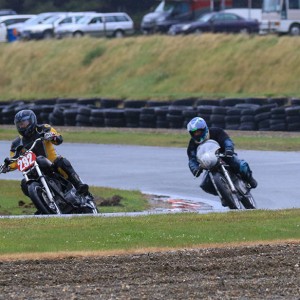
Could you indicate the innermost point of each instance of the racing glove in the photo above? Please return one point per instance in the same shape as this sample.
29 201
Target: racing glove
197 172
49 136
4 168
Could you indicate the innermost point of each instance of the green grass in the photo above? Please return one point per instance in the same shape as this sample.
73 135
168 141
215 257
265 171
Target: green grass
13 202
152 67
132 233
272 141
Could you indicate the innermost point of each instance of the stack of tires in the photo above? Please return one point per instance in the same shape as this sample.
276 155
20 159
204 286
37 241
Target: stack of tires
263 114
132 111
293 115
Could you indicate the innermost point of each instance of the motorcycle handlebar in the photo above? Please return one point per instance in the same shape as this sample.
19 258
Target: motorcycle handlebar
222 155
9 160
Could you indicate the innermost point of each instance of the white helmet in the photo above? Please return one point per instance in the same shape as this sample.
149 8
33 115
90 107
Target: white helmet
198 130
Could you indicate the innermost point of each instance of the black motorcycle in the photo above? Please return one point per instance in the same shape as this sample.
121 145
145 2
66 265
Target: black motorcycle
233 191
49 191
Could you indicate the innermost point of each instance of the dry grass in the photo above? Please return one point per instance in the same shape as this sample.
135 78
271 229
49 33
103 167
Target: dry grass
161 67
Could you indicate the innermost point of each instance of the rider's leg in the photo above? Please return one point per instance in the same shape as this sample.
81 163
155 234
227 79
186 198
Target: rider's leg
241 167
65 165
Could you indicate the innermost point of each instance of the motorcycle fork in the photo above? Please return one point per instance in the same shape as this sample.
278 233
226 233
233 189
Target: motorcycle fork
228 178
214 184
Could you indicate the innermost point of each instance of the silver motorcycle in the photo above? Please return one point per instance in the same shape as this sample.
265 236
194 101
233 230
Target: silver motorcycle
233 191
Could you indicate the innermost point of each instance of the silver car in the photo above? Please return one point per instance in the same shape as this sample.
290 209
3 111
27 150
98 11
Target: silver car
45 29
98 25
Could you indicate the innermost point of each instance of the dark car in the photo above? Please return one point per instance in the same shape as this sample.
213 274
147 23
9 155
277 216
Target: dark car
217 22
7 12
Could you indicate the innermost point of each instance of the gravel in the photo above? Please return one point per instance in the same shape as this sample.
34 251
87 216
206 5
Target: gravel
264 271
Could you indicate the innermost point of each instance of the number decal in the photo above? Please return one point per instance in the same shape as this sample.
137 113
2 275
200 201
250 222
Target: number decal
26 161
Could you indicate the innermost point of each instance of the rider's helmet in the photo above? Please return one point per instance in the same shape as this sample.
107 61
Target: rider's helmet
25 121
198 130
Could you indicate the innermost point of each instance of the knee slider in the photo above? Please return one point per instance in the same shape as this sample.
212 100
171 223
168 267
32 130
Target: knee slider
62 162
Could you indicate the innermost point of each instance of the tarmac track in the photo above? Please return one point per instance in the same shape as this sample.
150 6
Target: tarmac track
164 171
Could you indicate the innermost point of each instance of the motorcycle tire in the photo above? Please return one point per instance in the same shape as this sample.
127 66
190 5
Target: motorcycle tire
248 201
89 210
231 199
40 199
244 194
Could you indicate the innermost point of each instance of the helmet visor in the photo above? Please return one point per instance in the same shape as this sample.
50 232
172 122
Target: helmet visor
198 133
23 124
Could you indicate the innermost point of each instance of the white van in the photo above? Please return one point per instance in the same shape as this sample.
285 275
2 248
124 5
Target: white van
98 25
6 21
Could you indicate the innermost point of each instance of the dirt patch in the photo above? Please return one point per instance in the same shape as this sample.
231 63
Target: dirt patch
269 271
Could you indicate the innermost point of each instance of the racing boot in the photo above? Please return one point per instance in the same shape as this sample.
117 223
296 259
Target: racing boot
65 165
246 174
252 182
82 188
248 178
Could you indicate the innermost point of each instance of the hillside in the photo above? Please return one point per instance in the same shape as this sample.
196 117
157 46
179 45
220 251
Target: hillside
152 67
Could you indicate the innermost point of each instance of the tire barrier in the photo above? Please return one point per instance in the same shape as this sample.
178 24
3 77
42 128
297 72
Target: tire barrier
259 114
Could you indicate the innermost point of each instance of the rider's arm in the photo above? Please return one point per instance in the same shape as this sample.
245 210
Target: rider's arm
14 152
192 155
219 135
13 165
58 137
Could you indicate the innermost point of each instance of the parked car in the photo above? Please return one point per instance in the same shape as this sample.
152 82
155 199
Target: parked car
46 29
168 13
39 19
8 20
97 25
217 22
6 12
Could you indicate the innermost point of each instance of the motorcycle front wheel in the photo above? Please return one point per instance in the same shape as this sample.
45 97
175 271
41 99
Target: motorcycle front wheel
41 201
248 201
245 195
230 199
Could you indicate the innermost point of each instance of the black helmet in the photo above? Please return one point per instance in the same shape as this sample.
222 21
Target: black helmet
25 121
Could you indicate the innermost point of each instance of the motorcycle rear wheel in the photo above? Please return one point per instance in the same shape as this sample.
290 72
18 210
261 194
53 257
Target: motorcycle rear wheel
229 198
40 199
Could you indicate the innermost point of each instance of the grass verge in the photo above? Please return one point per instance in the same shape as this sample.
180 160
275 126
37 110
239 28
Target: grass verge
248 140
13 202
132 233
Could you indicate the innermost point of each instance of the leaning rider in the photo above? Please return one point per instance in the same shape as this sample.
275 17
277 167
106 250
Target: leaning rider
29 130
200 132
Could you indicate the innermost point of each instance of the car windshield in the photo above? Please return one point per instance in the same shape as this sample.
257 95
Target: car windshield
205 18
36 20
51 20
84 20
164 7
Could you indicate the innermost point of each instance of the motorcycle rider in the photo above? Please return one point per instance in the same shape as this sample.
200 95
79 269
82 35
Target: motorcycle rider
26 124
200 132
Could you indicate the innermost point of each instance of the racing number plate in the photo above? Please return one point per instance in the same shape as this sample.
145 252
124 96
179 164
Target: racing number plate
27 161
